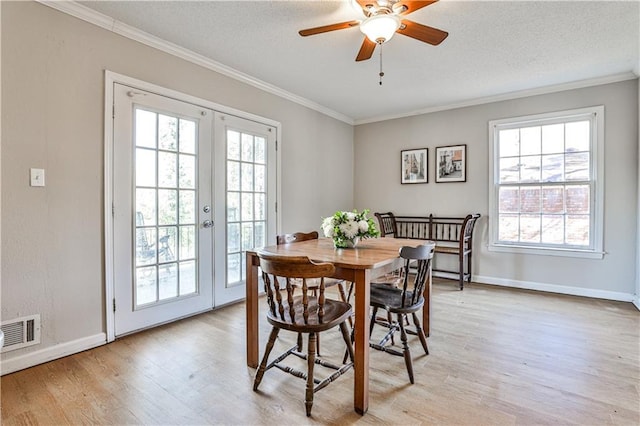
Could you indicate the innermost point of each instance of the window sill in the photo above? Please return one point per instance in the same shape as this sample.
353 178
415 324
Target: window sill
545 251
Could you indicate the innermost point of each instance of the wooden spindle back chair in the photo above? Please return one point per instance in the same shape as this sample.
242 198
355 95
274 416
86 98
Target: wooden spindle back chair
408 299
309 312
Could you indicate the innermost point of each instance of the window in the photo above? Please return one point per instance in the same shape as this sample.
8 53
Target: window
546 183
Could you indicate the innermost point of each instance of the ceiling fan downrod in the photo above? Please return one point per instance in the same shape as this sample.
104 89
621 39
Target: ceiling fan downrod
381 74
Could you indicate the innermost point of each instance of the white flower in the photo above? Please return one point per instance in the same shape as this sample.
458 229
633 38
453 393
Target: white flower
363 226
328 230
349 229
351 216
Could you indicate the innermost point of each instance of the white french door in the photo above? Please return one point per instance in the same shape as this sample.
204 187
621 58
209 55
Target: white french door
246 151
162 209
191 190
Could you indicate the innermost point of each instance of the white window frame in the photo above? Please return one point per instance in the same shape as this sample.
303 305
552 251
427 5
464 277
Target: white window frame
596 116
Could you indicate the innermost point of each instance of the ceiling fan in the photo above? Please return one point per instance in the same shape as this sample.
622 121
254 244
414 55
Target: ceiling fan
383 19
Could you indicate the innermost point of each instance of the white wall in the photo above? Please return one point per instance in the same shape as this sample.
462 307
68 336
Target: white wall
377 186
52 118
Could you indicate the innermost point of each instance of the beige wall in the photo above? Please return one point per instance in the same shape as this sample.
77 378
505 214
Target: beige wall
377 152
52 117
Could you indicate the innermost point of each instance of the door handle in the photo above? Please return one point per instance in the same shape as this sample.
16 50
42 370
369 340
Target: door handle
207 223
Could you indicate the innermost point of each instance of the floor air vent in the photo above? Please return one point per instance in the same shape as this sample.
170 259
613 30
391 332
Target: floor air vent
21 332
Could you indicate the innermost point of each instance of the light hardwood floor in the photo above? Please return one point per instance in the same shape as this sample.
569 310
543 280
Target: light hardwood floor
498 357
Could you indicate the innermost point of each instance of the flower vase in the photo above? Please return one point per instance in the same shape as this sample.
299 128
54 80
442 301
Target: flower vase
344 243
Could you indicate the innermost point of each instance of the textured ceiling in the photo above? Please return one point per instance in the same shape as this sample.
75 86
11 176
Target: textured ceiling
494 48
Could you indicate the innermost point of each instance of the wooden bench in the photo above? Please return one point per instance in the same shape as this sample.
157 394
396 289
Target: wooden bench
453 235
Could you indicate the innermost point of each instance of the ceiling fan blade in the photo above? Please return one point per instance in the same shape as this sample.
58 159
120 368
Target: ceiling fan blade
422 32
327 28
366 50
412 6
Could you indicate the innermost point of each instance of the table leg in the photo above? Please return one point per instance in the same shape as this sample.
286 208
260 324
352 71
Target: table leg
252 310
426 308
361 385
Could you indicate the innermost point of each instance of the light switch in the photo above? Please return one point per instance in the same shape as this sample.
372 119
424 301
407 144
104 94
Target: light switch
37 177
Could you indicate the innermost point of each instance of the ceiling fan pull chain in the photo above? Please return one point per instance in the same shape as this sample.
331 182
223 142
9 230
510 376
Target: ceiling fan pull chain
381 73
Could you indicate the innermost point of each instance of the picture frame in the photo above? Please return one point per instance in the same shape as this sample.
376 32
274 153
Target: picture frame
414 166
451 163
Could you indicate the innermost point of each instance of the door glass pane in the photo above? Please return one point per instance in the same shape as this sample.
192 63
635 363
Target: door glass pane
167 169
187 171
187 136
188 277
145 167
187 207
260 152
247 147
145 207
145 126
165 204
145 243
167 129
146 285
247 176
168 278
233 237
233 206
233 145
247 206
233 176
260 211
187 248
233 268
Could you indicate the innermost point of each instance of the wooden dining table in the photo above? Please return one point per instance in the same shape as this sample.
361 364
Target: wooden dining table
368 260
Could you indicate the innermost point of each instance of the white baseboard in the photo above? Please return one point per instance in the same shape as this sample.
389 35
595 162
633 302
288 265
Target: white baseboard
11 364
636 301
555 288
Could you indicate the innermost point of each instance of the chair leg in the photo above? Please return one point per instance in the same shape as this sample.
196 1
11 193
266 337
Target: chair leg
373 320
299 343
390 321
311 358
420 333
265 358
344 298
461 266
405 348
347 341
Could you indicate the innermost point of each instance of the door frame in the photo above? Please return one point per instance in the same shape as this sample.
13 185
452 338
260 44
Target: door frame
112 78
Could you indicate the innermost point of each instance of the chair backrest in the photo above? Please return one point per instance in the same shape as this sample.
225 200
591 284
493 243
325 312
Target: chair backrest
296 237
469 223
279 272
387 223
420 259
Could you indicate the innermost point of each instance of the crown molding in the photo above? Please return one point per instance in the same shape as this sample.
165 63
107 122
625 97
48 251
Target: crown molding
508 96
96 18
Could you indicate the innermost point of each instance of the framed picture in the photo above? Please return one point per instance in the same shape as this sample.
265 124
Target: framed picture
413 166
451 163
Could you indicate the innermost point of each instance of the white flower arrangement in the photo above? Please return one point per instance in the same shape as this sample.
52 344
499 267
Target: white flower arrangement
346 228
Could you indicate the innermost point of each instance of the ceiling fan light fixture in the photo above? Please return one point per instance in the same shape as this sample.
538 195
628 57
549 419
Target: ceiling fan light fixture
380 28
